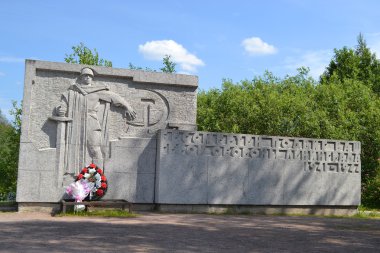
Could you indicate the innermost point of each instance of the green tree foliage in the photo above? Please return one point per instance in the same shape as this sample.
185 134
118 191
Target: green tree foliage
265 105
134 67
16 112
359 64
9 150
83 55
169 65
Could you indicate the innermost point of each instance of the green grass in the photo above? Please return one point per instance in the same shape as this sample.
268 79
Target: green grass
101 213
364 208
368 213
362 215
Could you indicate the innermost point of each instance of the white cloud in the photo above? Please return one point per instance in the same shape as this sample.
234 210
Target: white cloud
317 61
157 49
10 59
256 46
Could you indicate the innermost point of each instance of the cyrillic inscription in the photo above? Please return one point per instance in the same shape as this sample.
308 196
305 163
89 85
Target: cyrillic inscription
317 155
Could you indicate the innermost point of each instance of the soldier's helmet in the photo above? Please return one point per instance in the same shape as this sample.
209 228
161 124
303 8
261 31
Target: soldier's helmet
87 71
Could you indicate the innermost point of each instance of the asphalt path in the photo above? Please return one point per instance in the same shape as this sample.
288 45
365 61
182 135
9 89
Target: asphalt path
155 232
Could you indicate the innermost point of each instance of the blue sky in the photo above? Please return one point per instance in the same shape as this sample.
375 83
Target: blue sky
211 39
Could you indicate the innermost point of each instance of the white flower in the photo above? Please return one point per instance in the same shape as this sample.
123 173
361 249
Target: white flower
92 171
86 175
97 176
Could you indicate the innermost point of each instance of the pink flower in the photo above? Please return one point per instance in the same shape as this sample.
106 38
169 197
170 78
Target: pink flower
69 190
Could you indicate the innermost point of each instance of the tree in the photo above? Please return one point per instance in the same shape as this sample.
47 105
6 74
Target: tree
16 112
359 64
84 55
9 150
134 67
266 105
169 65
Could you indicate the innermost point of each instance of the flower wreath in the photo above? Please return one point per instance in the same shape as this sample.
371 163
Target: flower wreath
93 174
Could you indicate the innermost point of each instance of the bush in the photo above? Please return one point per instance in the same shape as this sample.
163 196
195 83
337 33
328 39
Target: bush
371 192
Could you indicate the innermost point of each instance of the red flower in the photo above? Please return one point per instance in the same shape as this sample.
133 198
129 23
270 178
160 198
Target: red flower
85 170
100 192
80 176
99 171
92 165
103 178
104 185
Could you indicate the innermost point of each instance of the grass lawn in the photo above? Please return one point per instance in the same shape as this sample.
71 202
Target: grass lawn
101 213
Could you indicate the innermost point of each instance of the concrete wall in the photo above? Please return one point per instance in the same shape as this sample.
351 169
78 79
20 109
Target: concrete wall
217 168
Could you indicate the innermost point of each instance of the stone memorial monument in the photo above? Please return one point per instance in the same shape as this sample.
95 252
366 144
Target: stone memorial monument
140 128
74 115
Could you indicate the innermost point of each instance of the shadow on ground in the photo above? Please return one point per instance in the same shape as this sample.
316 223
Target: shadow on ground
189 233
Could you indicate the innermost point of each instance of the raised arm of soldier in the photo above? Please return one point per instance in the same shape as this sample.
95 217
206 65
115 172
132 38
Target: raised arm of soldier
130 112
119 101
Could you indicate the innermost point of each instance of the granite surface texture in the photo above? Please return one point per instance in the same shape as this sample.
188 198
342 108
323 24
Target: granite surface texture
218 168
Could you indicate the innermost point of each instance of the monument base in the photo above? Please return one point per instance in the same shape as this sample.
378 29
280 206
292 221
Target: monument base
42 207
212 209
55 208
268 210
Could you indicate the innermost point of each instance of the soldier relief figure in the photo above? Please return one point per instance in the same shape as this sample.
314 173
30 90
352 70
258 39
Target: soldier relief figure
86 107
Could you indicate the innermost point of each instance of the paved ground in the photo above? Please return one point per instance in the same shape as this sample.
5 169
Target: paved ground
152 232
